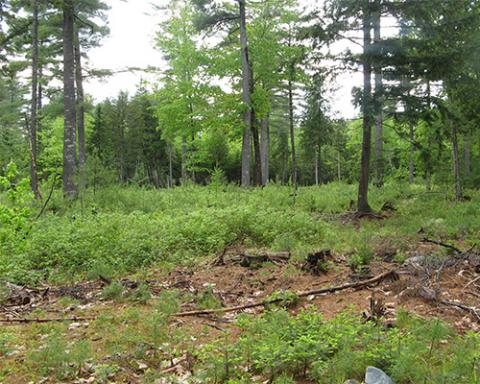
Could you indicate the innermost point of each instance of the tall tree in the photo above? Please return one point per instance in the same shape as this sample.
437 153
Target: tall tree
247 90
80 112
377 37
69 140
34 102
363 205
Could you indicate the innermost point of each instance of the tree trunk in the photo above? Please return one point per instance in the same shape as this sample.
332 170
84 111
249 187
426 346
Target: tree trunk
184 159
69 145
411 159
467 155
428 157
456 164
257 153
82 154
339 167
379 160
40 89
363 205
292 131
34 105
247 100
317 168
170 166
265 149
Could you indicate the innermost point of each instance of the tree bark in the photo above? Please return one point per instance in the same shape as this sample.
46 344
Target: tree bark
363 205
257 152
40 88
456 163
247 100
317 168
292 131
34 112
265 149
184 159
170 165
428 157
467 155
69 137
82 154
339 167
411 159
379 160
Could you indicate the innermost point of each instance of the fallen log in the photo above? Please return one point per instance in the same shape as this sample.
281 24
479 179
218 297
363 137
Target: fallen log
361 284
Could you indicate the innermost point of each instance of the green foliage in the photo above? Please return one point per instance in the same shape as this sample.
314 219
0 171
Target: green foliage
6 342
15 209
104 372
55 356
207 299
142 294
118 230
361 258
282 298
113 291
280 346
168 302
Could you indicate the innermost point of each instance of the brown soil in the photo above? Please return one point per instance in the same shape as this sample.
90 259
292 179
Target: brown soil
416 290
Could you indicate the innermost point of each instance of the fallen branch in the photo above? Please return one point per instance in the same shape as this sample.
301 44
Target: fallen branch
50 320
361 284
472 310
471 282
445 245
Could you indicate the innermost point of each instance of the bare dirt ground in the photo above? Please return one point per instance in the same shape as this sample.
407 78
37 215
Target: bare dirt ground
424 287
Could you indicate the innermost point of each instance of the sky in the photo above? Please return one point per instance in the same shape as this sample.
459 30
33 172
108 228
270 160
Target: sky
131 43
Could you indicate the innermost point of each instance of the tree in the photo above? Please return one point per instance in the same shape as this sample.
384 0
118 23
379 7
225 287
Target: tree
182 99
213 16
34 103
362 205
247 90
69 143
377 37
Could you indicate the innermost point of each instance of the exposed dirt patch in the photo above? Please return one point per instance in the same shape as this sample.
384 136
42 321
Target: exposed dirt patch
421 288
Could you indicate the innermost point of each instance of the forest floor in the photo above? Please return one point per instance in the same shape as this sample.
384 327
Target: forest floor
139 327
418 287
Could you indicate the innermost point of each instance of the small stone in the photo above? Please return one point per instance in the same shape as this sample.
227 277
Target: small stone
74 326
376 376
419 260
351 381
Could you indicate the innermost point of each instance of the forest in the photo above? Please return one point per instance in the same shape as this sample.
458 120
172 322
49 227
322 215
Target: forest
231 220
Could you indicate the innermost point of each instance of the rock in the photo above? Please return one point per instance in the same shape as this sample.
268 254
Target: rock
376 376
351 381
419 260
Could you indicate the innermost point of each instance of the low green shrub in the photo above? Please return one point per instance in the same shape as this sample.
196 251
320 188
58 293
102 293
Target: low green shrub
279 346
119 230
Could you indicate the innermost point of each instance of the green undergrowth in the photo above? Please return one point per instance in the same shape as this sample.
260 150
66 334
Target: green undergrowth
275 347
121 230
278 345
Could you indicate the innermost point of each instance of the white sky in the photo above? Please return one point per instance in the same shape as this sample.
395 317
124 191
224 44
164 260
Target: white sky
133 24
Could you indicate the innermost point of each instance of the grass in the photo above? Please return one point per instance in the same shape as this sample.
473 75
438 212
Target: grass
121 230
